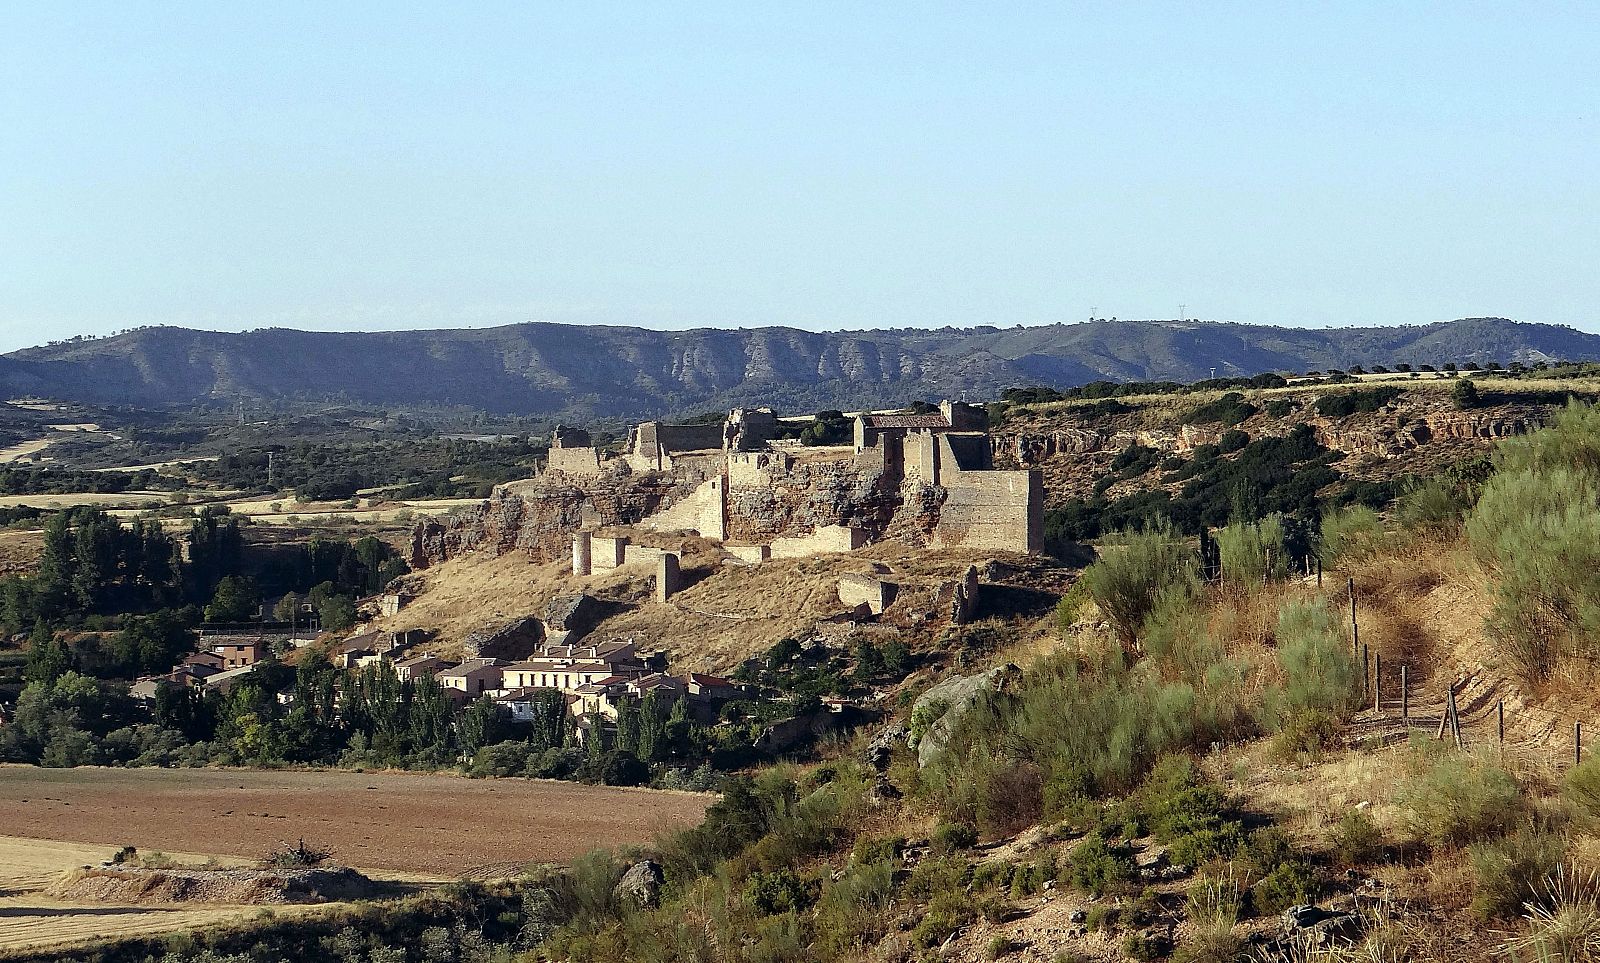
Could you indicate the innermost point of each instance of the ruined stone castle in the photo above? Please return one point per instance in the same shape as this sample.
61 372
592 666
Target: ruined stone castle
926 478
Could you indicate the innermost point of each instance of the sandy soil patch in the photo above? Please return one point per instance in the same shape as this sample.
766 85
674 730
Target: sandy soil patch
432 824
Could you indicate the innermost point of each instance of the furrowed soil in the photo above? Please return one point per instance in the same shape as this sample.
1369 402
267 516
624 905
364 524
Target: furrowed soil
439 826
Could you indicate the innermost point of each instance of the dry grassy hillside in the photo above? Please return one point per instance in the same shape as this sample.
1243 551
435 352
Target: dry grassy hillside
729 611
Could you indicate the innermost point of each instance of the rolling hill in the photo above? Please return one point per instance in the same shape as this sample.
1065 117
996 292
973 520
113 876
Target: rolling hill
597 371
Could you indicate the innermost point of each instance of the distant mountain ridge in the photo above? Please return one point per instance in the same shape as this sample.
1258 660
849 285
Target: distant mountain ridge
578 371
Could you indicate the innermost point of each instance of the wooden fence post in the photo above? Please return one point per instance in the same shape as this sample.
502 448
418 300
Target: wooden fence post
1377 681
1405 697
1366 667
1355 630
1319 571
1455 718
1444 717
1500 720
1577 743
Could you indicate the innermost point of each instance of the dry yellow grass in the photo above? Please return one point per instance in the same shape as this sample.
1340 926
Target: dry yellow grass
728 613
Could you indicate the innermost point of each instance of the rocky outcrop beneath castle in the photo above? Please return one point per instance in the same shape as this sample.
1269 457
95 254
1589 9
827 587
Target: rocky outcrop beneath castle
540 520
808 496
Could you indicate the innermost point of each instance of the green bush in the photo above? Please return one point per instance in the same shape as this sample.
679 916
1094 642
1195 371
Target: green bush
852 913
1288 884
1343 403
1349 533
1127 583
953 837
1537 524
885 849
1102 918
1511 871
1146 945
778 892
1581 789
1460 799
1253 552
1098 865
1306 735
1228 410
1318 673
1435 504
1357 840
946 913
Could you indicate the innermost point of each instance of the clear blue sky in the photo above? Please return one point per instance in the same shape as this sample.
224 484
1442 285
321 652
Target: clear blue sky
344 165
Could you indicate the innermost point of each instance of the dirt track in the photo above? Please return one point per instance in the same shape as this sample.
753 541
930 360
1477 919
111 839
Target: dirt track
441 826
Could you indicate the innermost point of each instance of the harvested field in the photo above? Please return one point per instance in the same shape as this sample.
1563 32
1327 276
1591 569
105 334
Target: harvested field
33 920
440 826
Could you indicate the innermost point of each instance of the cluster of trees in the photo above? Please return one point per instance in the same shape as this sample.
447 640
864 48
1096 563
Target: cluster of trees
1284 475
67 481
115 601
323 472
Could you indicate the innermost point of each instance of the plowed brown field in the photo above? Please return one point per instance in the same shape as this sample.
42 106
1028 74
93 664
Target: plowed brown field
441 826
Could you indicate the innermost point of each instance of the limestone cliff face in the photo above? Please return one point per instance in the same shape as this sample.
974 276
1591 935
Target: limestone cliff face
1389 433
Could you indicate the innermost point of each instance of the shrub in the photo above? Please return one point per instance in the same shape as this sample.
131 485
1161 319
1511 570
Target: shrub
1228 410
778 892
1507 872
1457 799
1563 920
1252 553
1464 394
1581 790
1126 584
1540 530
1343 403
1001 946
946 913
1357 840
1288 884
952 837
1102 918
1146 945
1306 736
1318 673
852 912
1098 866
886 849
1233 440
1349 532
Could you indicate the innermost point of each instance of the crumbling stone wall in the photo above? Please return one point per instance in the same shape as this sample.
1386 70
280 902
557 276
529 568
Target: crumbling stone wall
577 462
831 538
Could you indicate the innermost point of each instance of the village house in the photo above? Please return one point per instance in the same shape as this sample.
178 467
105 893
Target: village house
561 674
473 677
519 702
240 653
420 665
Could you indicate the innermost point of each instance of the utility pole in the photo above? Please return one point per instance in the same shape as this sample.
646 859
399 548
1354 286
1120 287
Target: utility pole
1183 314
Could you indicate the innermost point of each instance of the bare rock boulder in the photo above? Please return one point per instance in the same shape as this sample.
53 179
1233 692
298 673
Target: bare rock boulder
641 884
